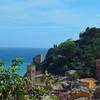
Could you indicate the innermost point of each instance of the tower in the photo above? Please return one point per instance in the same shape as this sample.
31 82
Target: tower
98 68
31 69
38 59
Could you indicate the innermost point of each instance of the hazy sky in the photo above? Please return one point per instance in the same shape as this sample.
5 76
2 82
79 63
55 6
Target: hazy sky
42 23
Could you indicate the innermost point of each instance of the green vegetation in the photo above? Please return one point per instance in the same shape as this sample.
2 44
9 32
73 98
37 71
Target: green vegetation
11 84
38 92
76 76
79 55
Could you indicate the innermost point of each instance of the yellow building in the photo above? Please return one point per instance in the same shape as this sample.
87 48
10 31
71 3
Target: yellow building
90 81
91 84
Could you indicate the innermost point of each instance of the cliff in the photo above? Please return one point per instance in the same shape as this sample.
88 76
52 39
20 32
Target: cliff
78 55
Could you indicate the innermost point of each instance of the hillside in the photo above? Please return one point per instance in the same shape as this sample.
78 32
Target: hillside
80 54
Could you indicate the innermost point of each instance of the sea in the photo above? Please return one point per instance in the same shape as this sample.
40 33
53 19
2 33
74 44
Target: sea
27 55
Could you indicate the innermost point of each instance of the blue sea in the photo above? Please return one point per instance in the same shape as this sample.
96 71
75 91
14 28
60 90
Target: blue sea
27 54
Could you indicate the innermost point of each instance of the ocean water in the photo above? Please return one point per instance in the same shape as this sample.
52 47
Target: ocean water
27 54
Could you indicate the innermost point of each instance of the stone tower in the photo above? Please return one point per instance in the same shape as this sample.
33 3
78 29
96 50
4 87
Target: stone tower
38 59
31 69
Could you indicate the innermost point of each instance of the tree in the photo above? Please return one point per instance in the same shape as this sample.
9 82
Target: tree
79 54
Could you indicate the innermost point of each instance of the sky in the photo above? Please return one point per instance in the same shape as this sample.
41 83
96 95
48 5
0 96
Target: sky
43 23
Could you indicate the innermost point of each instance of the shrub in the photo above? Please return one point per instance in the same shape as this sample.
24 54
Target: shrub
76 76
11 84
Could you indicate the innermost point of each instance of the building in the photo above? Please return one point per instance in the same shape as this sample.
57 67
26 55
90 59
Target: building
80 96
98 68
81 35
96 94
0 60
38 59
91 82
31 69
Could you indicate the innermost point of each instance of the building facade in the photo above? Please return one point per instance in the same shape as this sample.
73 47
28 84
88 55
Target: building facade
38 59
98 69
31 69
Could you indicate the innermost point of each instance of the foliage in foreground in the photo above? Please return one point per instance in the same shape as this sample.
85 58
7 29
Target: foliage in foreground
11 84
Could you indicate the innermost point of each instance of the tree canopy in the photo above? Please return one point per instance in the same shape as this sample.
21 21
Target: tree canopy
80 54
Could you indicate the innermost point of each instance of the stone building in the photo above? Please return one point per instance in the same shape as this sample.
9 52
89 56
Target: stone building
0 60
80 35
38 59
31 69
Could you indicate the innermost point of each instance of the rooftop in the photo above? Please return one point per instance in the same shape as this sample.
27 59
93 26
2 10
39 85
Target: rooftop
87 80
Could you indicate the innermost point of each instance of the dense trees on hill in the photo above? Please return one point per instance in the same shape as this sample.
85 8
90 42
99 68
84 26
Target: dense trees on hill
80 54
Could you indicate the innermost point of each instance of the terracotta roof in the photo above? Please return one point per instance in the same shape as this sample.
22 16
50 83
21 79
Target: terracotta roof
78 95
87 80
